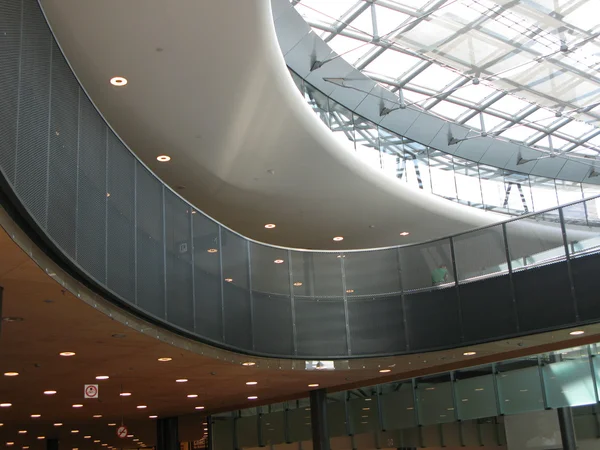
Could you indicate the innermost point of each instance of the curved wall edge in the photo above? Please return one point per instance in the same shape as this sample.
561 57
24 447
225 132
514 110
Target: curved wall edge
116 225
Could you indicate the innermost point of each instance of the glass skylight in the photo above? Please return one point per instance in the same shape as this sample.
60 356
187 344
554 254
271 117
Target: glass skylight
530 67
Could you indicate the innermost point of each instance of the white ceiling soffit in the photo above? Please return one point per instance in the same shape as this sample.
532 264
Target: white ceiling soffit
347 85
208 86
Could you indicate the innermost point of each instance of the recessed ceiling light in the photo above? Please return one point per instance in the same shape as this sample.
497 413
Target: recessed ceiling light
366 409
67 353
9 444
349 291
11 374
152 417
298 283
97 416
212 250
338 238
96 441
251 383
74 431
118 81
165 359
102 377
136 439
22 431
87 437
248 363
163 158
25 447
41 437
141 406
385 370
469 353
270 226
199 407
58 424
252 397
49 392
181 380
36 416
104 445
278 261
130 435
77 405
313 385
192 395
125 394
404 233
112 424
5 405
577 333
229 280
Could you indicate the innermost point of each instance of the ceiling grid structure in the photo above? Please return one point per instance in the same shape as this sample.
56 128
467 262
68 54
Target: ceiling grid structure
524 72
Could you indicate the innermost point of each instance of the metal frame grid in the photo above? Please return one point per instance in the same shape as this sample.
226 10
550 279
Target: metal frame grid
522 71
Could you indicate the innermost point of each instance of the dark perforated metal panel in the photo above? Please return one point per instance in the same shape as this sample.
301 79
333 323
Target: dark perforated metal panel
178 234
273 324
63 157
10 43
91 193
384 335
207 277
321 327
34 97
120 267
236 296
150 248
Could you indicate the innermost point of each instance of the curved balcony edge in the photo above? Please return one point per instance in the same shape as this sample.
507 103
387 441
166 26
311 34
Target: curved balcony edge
97 210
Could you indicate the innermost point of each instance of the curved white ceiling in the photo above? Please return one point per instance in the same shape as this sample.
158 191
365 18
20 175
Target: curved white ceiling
209 87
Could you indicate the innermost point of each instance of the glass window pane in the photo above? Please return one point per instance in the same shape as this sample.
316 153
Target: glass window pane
519 386
535 240
426 265
374 272
434 396
475 394
480 253
543 192
398 406
568 378
366 136
583 235
442 174
517 193
340 122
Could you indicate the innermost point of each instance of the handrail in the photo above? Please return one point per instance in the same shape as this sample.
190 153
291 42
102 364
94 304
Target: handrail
119 227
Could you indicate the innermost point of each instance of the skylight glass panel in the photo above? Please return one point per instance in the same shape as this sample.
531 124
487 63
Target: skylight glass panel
435 77
389 19
583 16
350 49
363 23
542 117
518 133
510 105
414 97
474 93
392 64
491 123
449 110
328 11
414 5
576 129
